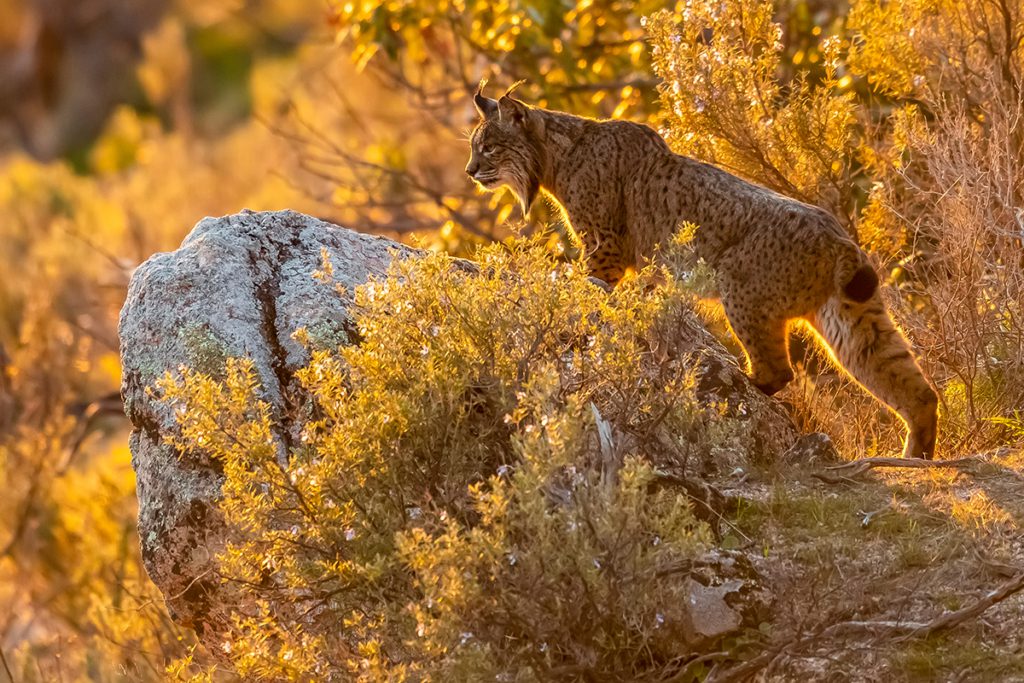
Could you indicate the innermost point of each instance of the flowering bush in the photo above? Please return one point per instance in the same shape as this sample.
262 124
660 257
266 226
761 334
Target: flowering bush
483 484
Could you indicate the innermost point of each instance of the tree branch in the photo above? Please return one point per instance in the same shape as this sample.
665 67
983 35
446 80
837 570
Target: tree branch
856 467
906 630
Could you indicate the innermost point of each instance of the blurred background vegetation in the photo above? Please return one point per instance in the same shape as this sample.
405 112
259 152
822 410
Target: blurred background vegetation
123 123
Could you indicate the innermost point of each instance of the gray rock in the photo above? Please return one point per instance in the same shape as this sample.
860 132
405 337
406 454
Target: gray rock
237 286
240 286
710 615
723 593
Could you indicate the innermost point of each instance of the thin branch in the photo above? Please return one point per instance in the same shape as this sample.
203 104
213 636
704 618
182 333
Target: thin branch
752 666
856 467
687 672
7 669
28 507
909 629
905 630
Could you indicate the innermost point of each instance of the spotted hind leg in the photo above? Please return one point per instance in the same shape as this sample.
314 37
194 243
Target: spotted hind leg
874 352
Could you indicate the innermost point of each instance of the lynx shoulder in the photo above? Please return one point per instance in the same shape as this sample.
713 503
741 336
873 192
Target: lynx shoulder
776 259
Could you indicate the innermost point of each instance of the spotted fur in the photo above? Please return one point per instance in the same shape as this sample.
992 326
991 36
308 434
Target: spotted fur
777 260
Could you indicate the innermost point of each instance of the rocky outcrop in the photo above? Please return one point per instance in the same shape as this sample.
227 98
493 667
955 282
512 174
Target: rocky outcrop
237 286
240 286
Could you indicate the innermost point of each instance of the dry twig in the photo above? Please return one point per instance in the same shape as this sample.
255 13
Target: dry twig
851 469
7 669
904 630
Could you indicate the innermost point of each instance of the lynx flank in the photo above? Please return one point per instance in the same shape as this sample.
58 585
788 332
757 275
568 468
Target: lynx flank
776 259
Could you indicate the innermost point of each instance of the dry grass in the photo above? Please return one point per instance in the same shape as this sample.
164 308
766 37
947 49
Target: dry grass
891 545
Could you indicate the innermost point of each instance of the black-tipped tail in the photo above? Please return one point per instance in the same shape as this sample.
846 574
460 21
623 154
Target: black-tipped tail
863 285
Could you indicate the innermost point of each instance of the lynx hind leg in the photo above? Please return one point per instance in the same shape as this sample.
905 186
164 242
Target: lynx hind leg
766 342
870 348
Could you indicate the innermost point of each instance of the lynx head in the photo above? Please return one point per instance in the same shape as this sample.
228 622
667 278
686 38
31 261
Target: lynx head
506 146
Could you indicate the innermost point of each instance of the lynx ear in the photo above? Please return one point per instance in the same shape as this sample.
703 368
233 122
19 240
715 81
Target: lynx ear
485 106
511 109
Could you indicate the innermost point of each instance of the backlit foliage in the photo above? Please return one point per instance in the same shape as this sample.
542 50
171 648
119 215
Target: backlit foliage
952 188
73 593
482 488
725 103
121 124
75 602
587 55
908 129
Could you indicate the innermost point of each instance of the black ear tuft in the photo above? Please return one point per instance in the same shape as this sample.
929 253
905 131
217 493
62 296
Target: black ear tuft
485 106
512 88
511 108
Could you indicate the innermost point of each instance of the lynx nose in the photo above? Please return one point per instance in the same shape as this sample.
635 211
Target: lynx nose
472 168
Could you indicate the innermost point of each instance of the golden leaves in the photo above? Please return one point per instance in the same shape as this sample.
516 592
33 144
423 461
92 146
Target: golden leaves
432 448
885 49
725 103
166 65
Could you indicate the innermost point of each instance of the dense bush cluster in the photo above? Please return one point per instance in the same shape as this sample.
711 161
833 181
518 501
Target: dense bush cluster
484 485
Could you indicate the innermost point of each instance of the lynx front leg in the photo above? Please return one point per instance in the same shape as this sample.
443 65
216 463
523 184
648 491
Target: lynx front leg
765 341
597 226
606 254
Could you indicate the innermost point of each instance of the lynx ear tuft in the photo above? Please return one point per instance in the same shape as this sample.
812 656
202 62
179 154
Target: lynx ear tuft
512 88
485 106
511 109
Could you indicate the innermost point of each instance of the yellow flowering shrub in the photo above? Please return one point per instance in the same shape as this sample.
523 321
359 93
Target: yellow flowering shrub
481 487
725 103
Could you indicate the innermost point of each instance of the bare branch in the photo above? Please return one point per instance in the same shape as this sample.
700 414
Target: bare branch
7 669
910 629
905 630
851 469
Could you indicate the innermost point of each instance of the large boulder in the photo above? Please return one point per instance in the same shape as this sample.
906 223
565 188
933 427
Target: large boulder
240 286
237 286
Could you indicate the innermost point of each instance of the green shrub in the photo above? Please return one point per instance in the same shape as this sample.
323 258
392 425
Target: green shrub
480 486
